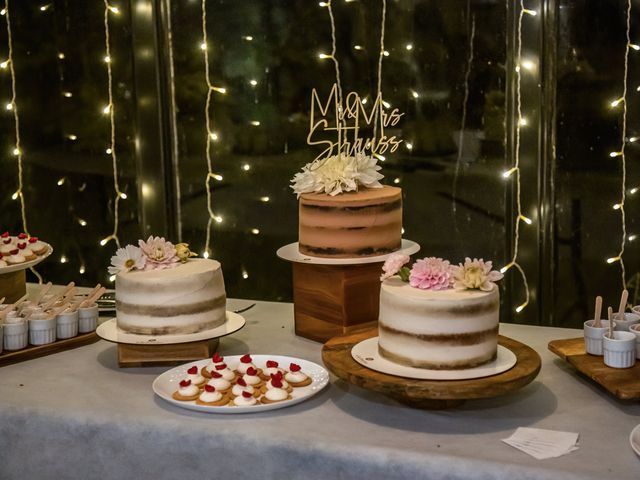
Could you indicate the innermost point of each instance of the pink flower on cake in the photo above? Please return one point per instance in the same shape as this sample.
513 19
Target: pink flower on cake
431 273
160 253
475 274
393 264
126 259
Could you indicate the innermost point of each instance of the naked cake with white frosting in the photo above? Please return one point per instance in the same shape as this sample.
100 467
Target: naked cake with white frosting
161 290
438 316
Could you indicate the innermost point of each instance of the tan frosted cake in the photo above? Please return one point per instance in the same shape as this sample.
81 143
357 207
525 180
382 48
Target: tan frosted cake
437 329
353 224
186 299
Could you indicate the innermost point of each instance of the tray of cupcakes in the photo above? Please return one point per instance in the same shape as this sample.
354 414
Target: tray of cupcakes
46 323
241 384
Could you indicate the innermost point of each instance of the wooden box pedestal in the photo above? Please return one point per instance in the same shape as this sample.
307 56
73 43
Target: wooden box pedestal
332 300
13 285
130 355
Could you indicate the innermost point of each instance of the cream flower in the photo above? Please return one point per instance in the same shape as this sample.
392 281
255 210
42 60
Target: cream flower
475 274
160 253
337 174
127 259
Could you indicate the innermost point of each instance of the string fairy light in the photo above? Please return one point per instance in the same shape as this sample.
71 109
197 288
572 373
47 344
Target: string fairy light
380 57
622 152
514 171
336 66
17 149
463 121
109 109
210 134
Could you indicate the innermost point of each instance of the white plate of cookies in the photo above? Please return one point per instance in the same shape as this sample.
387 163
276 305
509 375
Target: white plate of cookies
21 251
241 383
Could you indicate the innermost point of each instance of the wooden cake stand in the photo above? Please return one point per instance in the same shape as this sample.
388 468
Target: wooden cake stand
335 296
429 394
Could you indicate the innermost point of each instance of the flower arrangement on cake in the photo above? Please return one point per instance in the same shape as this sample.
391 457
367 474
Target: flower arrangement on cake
431 273
437 315
154 254
161 290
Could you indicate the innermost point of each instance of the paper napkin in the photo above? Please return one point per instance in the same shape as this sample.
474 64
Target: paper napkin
541 443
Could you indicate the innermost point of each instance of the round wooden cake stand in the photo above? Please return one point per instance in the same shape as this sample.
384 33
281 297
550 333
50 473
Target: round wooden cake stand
429 394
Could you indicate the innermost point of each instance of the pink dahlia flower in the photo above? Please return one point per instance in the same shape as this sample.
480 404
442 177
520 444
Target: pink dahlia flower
160 253
431 273
393 264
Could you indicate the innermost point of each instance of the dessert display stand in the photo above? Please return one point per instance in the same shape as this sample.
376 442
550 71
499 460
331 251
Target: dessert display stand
620 382
333 296
13 279
154 350
429 394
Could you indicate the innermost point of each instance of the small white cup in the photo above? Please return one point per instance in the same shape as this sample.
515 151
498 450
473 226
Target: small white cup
622 325
88 318
42 329
15 335
67 324
619 351
635 329
593 336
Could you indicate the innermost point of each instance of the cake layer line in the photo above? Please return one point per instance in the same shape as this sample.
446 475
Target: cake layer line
173 330
360 252
455 365
378 207
172 310
471 338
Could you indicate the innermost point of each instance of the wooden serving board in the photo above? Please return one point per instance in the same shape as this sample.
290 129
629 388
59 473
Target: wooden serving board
623 383
432 394
35 351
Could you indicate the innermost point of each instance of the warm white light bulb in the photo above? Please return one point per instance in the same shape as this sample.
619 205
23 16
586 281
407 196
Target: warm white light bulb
358 47
245 275
615 154
16 151
115 10
205 254
246 167
61 181
112 278
533 13
82 222
9 106
15 195
253 83
526 220
264 199
617 206
634 46
521 307
4 64
218 219
255 123
385 53
203 46
409 146
633 190
71 136
322 56
61 56
106 109
67 94
508 173
213 136
123 195
108 151
523 122
104 241
219 89
386 104
81 270
63 259
415 94
217 177
255 231
528 65
396 180
613 259
107 59
248 38
409 46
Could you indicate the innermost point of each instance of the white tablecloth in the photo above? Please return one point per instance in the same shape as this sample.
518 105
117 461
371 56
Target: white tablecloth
75 414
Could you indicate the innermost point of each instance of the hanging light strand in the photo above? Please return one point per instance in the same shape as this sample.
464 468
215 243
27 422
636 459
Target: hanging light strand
17 149
622 151
515 170
463 121
381 54
110 110
210 134
337 70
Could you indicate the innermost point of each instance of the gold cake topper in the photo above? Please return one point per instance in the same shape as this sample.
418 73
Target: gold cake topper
347 120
